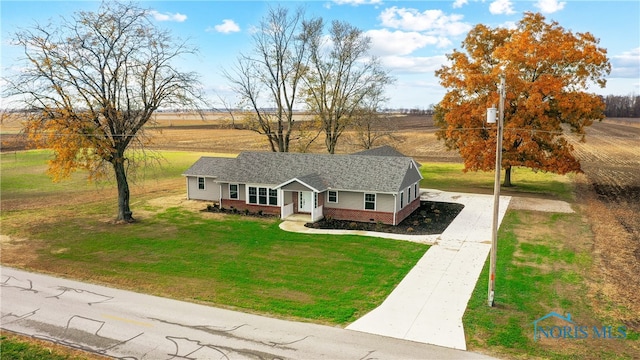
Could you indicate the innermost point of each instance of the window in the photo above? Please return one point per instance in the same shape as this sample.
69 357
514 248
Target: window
415 189
369 201
253 195
408 194
200 183
333 196
273 197
401 199
262 196
233 191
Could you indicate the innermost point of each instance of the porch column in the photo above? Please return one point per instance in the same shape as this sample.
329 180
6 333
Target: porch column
313 205
281 202
395 204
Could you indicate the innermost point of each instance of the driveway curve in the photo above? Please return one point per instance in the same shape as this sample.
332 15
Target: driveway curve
428 304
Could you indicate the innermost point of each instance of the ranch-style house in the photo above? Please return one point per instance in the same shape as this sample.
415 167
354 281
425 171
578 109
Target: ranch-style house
377 185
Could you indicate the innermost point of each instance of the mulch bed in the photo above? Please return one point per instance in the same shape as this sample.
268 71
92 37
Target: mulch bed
430 218
215 208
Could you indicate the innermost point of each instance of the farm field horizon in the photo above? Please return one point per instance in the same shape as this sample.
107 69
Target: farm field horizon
607 194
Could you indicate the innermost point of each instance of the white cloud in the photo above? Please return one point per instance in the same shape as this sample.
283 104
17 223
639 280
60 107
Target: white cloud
428 20
550 6
626 65
177 17
501 7
414 64
460 3
227 26
358 2
385 42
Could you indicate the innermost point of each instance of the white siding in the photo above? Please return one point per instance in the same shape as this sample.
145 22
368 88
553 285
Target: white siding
355 201
211 190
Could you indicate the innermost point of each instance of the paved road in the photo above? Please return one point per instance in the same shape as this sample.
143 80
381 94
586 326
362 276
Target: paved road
129 325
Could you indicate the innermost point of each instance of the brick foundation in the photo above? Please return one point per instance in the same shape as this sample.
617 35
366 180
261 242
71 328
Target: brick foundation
408 210
372 216
359 215
338 214
241 206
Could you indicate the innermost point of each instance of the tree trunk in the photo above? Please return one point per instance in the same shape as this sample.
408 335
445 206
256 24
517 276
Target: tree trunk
331 144
507 177
124 212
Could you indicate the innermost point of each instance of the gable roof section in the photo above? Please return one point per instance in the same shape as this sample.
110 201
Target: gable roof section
208 166
411 177
385 150
312 181
384 174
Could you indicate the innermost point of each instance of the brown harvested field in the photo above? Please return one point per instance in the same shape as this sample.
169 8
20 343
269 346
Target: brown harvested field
609 191
412 135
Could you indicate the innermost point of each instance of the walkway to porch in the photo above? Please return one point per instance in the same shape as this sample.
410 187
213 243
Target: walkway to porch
303 218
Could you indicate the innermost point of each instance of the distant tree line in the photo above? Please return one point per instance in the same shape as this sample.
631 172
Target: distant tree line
622 106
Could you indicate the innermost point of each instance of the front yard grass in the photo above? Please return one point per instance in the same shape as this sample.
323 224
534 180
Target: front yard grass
230 261
544 260
544 264
223 260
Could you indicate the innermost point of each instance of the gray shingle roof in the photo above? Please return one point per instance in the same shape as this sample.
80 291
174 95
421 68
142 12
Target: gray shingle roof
385 150
209 166
322 171
315 180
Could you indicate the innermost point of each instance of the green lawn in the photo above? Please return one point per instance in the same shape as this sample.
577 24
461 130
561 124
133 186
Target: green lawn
232 261
228 260
450 177
543 265
12 348
24 174
544 260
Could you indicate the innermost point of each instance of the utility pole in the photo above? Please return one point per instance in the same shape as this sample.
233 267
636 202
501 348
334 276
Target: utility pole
496 189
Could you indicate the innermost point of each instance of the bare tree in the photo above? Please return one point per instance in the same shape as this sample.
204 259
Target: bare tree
340 78
268 80
371 128
229 109
369 125
92 82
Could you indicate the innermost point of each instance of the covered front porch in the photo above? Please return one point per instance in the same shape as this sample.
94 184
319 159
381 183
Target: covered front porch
300 201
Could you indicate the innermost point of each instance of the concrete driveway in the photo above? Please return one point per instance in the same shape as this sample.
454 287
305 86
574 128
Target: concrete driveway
428 304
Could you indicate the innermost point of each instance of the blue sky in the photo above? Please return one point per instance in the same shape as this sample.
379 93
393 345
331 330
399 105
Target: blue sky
410 37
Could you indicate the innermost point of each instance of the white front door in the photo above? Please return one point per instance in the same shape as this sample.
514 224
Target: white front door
305 201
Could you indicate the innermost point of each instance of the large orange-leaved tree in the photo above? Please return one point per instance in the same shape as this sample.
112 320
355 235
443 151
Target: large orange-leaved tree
547 71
